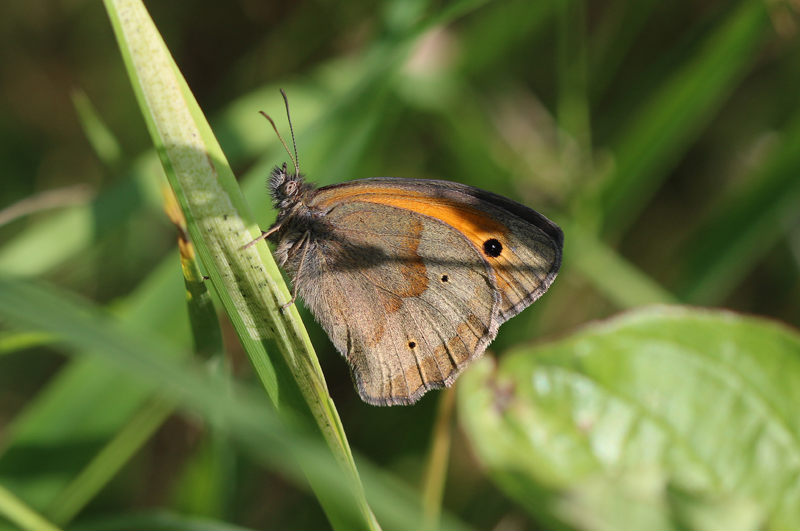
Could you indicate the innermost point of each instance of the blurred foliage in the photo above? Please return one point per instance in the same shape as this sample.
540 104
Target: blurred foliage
663 136
667 418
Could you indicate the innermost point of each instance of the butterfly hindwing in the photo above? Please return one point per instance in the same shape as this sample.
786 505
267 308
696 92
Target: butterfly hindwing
407 299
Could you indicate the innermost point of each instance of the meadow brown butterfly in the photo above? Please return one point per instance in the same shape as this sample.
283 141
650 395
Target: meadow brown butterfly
410 278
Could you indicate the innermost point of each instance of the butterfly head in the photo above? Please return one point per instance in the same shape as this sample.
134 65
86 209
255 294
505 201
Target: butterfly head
287 188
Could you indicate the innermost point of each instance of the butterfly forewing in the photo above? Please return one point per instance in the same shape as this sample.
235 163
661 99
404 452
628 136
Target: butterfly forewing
522 247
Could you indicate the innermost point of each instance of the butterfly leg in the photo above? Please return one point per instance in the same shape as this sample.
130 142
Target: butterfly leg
301 243
264 235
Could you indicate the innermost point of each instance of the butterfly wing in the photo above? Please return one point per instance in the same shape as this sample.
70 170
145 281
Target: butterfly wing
522 246
405 284
402 297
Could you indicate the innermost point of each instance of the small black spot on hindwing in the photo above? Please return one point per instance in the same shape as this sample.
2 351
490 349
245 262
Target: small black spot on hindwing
492 248
412 344
445 278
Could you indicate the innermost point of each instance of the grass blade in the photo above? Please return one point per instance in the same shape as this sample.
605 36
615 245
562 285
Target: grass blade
285 446
671 120
20 514
217 219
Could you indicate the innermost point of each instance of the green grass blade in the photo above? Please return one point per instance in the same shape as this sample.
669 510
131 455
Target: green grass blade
489 38
672 119
217 218
110 460
285 446
160 520
48 243
206 332
620 281
16 511
66 197
207 485
86 400
101 138
746 225
613 39
11 342
573 101
435 478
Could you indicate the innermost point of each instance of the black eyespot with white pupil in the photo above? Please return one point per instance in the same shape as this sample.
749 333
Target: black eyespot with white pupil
492 248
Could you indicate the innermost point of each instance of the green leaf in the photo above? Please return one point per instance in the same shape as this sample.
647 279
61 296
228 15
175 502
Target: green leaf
658 418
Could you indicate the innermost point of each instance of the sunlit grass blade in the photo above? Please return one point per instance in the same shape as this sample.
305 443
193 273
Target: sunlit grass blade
25 518
247 281
11 342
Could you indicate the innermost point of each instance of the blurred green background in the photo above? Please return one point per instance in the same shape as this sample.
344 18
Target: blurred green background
664 137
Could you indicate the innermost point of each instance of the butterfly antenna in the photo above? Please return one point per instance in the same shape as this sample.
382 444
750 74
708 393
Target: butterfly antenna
294 161
291 129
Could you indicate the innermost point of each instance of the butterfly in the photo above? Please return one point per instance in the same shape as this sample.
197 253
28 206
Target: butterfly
410 278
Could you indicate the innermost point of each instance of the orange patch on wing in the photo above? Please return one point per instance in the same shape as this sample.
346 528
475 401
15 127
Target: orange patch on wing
430 370
473 223
411 268
390 302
